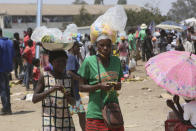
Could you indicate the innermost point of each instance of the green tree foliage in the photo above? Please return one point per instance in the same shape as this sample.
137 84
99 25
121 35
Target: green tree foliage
146 16
98 2
182 9
135 18
122 2
84 18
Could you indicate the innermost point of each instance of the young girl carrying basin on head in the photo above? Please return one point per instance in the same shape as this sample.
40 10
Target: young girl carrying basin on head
54 90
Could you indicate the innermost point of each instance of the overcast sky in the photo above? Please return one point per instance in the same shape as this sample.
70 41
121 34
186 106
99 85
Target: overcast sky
164 5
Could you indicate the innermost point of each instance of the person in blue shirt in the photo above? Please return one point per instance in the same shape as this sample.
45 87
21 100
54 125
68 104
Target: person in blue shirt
71 69
125 69
6 66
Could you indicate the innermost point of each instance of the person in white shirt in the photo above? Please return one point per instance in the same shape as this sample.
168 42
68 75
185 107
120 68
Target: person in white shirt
190 112
186 114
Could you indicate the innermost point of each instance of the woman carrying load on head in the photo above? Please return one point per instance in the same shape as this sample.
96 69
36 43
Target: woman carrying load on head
110 71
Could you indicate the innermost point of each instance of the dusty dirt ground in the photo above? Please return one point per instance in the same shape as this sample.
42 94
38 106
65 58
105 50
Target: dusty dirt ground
142 107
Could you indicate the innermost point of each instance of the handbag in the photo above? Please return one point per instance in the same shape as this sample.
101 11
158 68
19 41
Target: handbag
111 112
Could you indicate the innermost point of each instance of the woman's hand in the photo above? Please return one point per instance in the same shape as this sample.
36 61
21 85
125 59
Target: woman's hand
117 86
105 86
71 100
60 88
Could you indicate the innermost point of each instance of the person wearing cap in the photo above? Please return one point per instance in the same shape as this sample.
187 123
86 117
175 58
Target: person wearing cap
55 89
148 45
109 69
142 35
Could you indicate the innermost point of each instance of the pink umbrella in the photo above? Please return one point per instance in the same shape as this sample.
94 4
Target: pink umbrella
175 71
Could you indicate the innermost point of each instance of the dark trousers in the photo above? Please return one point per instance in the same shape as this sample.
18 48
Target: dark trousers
148 54
5 91
195 46
28 74
18 62
35 84
143 51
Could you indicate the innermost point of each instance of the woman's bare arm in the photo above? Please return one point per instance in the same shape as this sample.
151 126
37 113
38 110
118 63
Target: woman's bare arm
85 87
39 93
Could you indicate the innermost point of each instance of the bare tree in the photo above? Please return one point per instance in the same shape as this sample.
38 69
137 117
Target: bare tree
98 2
79 2
122 2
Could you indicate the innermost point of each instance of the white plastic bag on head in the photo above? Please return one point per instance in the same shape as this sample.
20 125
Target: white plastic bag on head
42 31
122 33
67 38
72 28
115 17
99 21
112 21
69 33
56 33
38 33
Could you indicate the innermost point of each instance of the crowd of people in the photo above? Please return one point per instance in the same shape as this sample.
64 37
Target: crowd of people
60 73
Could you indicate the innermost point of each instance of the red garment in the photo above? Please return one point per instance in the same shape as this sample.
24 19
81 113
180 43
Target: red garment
99 125
182 127
137 34
170 124
27 53
33 48
36 73
123 49
26 38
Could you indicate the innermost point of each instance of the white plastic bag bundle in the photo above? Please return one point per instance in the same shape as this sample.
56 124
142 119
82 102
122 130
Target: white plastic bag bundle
42 31
115 17
112 21
132 64
56 33
70 32
71 28
122 34
39 33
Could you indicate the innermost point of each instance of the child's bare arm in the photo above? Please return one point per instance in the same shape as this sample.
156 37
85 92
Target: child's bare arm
39 93
73 75
170 104
176 101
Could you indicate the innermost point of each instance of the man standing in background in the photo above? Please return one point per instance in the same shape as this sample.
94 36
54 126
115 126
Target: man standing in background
142 35
6 66
27 38
17 55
